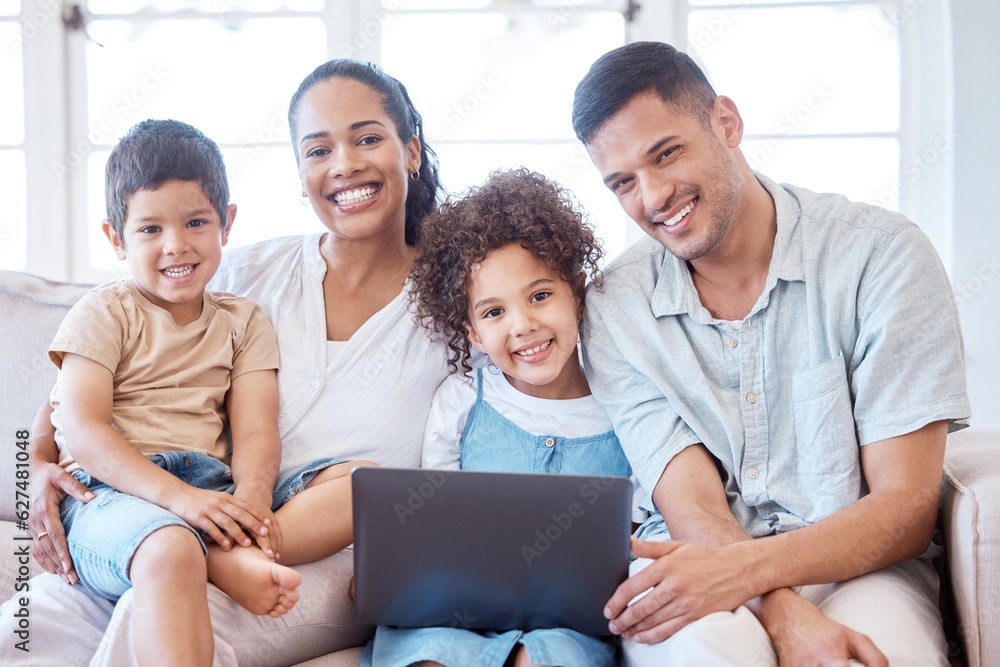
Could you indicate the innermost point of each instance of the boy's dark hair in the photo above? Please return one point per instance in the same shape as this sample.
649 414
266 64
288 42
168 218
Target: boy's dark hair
516 206
156 151
620 75
421 196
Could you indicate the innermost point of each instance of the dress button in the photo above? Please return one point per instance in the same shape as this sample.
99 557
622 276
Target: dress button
751 398
550 442
754 473
733 342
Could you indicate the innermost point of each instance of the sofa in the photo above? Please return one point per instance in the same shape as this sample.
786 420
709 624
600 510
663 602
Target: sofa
31 309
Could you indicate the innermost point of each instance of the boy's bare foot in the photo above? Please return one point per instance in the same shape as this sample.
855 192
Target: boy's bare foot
249 577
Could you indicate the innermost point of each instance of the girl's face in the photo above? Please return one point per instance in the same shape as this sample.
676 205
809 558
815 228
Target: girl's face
352 163
524 316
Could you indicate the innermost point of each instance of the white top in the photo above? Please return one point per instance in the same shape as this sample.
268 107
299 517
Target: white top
571 418
371 401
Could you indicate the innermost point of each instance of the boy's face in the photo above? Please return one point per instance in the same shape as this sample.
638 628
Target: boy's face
524 316
173 241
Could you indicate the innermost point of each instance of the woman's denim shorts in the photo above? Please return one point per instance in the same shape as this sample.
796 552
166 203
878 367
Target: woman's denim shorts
104 534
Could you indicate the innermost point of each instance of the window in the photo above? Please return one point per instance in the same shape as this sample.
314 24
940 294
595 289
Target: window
13 183
837 95
507 101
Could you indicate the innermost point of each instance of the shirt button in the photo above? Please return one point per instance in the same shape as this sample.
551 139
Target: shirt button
733 342
315 384
751 398
754 473
550 442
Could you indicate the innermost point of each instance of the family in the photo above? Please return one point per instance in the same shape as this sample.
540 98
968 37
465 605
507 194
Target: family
779 369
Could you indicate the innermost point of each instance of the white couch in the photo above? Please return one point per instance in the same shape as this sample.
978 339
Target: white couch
31 309
30 312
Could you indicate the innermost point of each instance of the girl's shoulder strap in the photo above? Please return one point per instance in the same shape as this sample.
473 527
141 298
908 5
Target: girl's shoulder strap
479 384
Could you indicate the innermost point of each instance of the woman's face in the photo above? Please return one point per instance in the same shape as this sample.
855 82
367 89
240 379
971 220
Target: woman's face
352 163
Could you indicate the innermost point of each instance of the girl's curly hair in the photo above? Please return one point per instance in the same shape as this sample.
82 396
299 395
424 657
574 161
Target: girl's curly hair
513 206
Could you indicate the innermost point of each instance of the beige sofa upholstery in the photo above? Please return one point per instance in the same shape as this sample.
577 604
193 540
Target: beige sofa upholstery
31 309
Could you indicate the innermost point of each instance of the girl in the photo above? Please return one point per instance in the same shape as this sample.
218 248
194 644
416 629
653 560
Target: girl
504 271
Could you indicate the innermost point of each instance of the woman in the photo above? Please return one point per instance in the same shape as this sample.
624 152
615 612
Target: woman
357 373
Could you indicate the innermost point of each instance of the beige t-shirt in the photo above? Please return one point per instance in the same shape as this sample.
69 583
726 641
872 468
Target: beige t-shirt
170 381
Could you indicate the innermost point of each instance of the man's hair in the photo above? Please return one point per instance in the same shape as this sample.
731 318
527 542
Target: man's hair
620 75
421 195
156 151
516 206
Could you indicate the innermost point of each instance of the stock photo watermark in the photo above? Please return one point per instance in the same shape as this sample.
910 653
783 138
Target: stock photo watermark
792 122
275 127
563 521
987 270
896 15
103 131
713 29
417 496
917 165
22 543
364 35
459 112
35 22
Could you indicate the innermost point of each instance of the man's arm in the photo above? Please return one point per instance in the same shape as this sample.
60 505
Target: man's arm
725 569
252 405
50 483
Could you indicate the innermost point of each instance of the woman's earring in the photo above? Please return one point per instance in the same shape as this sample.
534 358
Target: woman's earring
304 198
416 174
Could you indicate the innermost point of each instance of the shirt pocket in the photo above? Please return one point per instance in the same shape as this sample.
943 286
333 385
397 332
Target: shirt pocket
826 439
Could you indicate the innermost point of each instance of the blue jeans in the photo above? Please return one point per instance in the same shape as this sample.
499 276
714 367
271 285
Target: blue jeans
103 535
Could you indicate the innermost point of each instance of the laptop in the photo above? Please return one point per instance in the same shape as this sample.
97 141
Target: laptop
488 550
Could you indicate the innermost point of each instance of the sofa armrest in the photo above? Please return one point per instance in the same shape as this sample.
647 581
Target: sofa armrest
970 514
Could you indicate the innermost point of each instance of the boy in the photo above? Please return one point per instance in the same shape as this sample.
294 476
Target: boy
151 371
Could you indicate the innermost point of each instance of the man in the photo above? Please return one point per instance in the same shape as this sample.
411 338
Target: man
778 364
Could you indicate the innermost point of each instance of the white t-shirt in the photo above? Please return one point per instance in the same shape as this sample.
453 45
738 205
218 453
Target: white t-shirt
372 400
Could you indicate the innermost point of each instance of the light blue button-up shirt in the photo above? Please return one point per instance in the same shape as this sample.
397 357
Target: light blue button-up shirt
854 339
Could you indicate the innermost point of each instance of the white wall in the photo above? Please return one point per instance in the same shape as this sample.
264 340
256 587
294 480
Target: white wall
976 222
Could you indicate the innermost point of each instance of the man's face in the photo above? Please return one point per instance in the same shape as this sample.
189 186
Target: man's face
678 179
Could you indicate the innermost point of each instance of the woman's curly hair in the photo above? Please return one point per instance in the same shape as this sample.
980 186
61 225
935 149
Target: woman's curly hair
512 206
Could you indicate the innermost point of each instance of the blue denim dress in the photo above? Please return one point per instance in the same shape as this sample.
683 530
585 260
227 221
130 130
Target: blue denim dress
492 442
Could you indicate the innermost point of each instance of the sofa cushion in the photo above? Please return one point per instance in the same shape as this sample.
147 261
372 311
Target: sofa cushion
32 309
970 505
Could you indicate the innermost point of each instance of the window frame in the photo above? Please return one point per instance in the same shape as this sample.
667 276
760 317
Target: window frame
56 217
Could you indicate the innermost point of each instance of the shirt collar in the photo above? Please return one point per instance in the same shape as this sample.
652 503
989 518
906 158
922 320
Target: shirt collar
674 293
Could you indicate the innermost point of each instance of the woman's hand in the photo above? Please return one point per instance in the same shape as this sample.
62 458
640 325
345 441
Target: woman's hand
50 483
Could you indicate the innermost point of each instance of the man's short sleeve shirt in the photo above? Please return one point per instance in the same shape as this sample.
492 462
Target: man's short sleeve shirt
854 339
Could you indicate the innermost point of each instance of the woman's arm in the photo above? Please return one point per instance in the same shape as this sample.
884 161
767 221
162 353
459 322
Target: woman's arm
50 483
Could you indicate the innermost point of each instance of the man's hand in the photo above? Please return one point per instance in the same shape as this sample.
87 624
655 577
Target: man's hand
684 583
49 485
804 636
